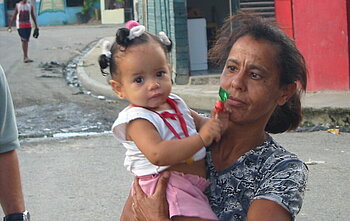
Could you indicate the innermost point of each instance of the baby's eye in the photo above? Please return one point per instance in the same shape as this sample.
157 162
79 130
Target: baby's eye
160 73
138 80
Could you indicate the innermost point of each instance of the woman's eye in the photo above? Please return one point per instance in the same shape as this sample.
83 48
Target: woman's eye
255 75
232 68
138 80
160 73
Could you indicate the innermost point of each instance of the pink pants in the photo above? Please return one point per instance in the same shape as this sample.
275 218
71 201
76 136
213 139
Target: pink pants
184 194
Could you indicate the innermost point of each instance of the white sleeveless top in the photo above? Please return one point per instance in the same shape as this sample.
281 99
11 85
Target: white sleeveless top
23 16
135 161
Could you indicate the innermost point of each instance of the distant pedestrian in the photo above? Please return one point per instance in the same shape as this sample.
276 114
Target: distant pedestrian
22 14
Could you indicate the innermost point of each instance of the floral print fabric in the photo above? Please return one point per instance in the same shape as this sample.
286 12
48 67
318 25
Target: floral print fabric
266 172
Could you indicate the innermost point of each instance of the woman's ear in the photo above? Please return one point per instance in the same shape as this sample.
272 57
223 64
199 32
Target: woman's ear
287 92
117 88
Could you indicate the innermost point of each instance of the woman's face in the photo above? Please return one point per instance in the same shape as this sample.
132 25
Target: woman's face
251 76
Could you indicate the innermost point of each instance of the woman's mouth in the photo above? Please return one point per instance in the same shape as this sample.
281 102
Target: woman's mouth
235 102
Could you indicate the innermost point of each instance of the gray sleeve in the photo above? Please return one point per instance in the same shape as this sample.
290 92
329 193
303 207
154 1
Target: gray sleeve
285 185
8 128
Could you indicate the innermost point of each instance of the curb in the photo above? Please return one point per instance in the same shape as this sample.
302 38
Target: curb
92 85
88 82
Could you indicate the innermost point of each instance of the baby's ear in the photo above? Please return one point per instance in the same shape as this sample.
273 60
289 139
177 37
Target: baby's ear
117 88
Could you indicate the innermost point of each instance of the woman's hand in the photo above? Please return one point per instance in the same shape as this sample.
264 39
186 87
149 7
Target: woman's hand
154 207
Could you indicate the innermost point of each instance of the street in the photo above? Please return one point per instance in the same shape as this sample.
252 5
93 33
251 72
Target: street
82 177
44 103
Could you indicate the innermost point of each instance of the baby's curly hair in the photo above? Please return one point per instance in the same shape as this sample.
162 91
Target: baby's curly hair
122 42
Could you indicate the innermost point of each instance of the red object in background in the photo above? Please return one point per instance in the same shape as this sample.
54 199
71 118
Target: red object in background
321 32
284 16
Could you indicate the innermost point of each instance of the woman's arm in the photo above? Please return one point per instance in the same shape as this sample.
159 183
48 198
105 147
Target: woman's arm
169 152
127 213
267 210
273 202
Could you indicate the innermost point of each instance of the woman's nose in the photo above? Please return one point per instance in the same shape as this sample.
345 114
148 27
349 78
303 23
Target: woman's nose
238 81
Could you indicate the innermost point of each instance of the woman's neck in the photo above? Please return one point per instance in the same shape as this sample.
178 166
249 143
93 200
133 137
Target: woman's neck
234 143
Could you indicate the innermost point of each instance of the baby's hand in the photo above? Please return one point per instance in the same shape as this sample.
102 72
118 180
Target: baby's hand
223 116
210 130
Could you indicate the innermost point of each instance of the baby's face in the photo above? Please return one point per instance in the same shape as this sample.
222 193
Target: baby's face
144 76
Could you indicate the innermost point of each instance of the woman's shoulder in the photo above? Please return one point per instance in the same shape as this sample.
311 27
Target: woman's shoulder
283 177
270 149
275 158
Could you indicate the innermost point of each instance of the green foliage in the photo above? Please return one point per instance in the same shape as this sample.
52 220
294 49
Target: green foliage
88 6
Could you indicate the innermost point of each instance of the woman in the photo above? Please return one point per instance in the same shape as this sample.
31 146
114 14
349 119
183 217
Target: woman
252 177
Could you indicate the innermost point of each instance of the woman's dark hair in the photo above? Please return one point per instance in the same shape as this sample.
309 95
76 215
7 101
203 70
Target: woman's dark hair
122 42
289 60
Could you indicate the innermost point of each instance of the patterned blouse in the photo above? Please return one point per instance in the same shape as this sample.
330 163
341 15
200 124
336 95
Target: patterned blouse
266 172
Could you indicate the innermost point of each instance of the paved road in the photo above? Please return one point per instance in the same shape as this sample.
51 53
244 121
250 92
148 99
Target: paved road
44 104
82 178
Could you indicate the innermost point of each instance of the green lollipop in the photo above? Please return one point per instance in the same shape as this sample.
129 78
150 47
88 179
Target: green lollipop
223 95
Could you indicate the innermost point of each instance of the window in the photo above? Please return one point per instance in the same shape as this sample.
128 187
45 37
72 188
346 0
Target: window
262 7
73 3
11 4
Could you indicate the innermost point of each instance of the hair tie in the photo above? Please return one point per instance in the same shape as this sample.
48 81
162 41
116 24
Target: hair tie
136 31
106 49
164 38
130 24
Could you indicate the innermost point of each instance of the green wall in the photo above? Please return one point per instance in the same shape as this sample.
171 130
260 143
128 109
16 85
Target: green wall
169 16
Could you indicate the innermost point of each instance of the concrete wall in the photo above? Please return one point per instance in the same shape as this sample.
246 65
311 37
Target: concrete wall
112 16
58 18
